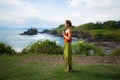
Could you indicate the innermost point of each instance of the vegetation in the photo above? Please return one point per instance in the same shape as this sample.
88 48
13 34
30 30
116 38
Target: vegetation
51 48
31 67
43 47
34 64
106 31
105 35
84 48
115 52
4 49
108 25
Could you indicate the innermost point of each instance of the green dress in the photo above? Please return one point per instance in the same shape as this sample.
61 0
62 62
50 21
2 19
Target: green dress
68 56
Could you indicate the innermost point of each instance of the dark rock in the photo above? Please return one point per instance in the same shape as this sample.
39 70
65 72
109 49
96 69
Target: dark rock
45 31
31 31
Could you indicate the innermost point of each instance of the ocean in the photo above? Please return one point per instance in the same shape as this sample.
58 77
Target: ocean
18 42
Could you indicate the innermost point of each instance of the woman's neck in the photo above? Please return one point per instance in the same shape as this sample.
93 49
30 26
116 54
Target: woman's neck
68 28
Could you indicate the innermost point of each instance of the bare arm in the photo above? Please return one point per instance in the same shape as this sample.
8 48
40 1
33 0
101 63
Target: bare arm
69 34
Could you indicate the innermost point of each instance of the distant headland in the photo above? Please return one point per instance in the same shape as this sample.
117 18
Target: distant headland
31 31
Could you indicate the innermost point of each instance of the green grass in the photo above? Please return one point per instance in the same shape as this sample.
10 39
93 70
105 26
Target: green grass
102 31
23 68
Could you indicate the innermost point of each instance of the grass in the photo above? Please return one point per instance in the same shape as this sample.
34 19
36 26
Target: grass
26 67
102 31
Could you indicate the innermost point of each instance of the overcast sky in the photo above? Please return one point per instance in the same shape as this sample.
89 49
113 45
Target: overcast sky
51 13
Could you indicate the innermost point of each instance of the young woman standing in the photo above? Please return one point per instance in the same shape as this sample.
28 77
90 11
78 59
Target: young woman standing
67 46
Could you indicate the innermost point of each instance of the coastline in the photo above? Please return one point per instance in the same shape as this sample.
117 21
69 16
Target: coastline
107 46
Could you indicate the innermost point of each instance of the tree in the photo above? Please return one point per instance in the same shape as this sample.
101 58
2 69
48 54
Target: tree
117 25
109 24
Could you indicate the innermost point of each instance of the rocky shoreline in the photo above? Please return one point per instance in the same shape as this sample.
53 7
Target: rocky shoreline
107 46
75 34
31 31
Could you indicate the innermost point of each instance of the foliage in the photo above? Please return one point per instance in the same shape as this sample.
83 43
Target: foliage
53 31
116 52
4 49
108 25
84 48
61 26
106 31
44 47
99 31
87 26
107 37
104 35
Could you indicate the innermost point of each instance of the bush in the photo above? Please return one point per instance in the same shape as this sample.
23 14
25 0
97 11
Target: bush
116 52
44 47
100 37
113 37
4 49
53 31
107 37
84 48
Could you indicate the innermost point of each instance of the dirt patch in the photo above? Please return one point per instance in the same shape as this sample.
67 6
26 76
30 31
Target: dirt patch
80 60
51 61
105 60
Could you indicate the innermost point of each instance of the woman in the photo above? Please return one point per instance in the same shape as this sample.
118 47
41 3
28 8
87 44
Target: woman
67 46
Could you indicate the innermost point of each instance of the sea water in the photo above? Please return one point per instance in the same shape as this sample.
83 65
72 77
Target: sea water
18 42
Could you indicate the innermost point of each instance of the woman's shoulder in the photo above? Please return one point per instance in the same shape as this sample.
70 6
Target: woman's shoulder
69 30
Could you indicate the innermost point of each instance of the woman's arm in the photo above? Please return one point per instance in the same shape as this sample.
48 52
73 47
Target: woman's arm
69 34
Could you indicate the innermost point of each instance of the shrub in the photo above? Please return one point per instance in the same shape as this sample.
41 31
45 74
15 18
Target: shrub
113 37
116 52
84 48
53 31
4 49
44 47
107 37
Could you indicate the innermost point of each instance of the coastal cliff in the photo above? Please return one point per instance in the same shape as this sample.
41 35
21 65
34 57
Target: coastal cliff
31 31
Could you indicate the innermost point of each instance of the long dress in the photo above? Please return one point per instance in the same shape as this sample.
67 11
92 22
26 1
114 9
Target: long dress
67 53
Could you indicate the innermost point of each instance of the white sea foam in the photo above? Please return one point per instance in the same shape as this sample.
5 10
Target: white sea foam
18 42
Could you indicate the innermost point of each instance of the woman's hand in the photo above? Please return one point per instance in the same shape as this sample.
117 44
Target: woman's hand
69 34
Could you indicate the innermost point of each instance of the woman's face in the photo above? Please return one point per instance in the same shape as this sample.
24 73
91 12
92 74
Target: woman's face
66 25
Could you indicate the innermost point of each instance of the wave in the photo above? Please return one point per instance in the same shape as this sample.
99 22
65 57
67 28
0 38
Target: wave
18 42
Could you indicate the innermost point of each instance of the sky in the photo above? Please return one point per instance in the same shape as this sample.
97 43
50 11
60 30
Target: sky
52 13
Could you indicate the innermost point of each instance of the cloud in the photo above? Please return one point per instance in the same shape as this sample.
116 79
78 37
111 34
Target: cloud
25 12
73 3
92 3
94 10
18 13
16 10
22 13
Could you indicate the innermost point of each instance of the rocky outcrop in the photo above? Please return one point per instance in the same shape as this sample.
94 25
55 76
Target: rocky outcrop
76 34
45 31
31 31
